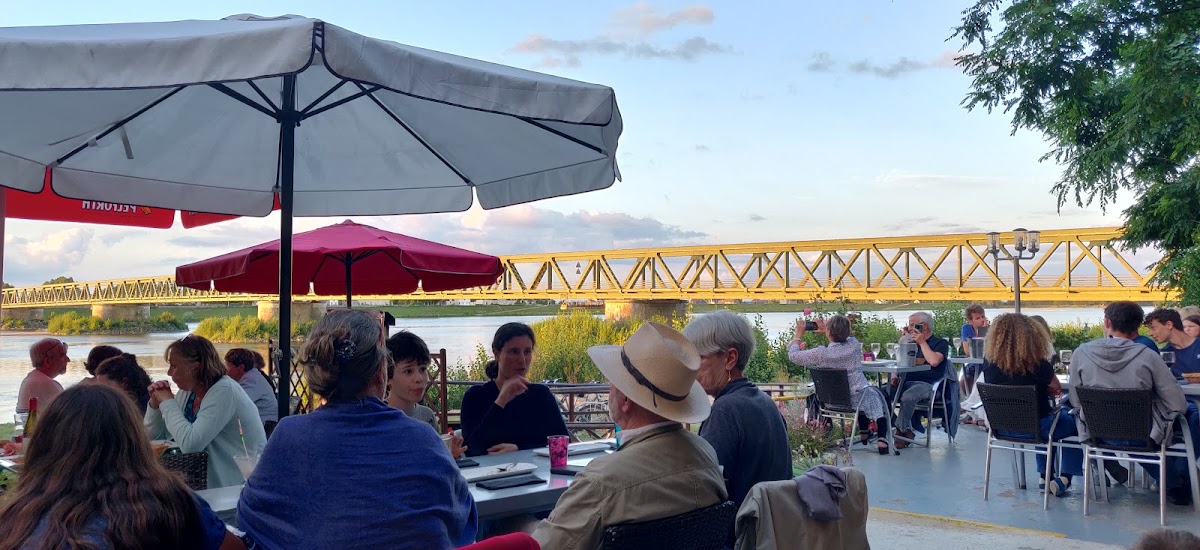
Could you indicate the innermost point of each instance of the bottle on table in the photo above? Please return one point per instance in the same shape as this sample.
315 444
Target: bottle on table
31 420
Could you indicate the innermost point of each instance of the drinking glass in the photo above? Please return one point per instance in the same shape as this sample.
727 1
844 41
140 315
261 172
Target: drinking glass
246 463
957 346
557 445
892 350
1065 356
875 349
1168 357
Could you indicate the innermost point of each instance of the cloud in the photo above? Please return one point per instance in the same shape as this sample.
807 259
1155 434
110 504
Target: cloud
824 62
701 148
642 19
33 260
757 218
900 179
630 31
930 226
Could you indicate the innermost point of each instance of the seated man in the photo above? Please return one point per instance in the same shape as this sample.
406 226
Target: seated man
660 470
976 327
49 358
242 366
1166 327
918 386
1120 362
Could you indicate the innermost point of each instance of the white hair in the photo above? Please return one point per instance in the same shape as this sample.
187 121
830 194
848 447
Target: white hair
719 331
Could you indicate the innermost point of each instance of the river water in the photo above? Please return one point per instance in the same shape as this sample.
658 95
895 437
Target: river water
458 335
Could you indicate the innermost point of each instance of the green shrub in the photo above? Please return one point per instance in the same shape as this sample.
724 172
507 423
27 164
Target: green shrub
73 322
239 329
1071 335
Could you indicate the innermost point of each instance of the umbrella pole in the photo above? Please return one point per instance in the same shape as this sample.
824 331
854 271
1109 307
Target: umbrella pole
348 264
289 118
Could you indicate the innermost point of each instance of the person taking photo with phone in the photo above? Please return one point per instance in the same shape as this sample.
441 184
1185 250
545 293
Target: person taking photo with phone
918 386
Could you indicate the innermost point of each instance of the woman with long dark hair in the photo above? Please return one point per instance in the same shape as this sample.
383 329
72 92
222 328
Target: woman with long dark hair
508 412
90 480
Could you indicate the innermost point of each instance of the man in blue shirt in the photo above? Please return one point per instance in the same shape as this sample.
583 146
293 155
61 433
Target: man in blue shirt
918 386
976 327
1166 327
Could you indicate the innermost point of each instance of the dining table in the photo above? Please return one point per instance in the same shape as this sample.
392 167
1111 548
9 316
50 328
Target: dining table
1189 390
491 504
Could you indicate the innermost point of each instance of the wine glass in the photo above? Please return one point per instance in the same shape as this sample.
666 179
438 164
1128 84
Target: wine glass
891 347
957 346
875 349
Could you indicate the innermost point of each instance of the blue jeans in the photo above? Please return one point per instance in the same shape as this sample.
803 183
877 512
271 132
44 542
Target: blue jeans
1177 467
1072 459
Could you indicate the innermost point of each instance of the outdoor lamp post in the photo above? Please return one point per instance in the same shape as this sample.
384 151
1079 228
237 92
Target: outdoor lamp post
1023 240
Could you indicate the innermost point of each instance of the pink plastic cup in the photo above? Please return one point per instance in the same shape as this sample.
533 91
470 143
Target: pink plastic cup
558 450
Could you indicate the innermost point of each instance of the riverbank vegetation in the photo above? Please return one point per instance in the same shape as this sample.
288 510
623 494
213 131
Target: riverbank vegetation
73 323
246 329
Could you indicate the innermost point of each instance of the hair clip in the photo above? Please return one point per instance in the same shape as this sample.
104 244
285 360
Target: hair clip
344 350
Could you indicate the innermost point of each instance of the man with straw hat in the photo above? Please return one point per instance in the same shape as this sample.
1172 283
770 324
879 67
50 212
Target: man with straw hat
660 470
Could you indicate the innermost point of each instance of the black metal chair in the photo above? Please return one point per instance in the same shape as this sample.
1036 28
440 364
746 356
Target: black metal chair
834 401
192 466
1013 424
1116 416
701 529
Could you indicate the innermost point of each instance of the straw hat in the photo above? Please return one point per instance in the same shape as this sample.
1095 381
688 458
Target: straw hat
656 368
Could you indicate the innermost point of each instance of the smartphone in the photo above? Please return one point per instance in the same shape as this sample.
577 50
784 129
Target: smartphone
569 470
810 325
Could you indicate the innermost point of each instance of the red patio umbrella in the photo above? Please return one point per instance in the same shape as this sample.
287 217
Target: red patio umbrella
347 256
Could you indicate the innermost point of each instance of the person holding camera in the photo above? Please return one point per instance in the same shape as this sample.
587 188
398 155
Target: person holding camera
918 386
843 353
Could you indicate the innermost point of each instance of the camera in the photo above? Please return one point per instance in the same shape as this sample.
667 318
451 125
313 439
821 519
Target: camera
810 325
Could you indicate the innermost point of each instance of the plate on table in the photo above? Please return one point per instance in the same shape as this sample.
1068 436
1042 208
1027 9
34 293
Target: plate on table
581 448
483 473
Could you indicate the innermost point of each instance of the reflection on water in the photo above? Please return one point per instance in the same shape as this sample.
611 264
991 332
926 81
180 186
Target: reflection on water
458 335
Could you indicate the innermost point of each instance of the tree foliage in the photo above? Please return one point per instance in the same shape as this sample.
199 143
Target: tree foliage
1113 85
62 279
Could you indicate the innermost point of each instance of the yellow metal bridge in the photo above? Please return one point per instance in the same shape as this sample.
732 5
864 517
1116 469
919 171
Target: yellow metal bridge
1074 265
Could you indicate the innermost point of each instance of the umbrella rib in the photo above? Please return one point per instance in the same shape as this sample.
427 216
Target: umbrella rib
572 139
243 99
410 131
262 95
119 124
337 103
332 89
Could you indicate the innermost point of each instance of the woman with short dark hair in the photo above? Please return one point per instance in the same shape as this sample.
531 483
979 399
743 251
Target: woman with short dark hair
124 373
210 413
91 481
508 412
844 352
355 472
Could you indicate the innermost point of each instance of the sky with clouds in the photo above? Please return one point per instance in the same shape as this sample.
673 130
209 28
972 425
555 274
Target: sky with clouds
757 122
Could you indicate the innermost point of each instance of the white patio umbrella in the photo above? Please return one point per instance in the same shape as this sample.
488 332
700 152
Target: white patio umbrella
218 116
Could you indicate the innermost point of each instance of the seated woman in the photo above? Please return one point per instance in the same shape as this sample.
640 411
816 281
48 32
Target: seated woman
124 373
242 366
92 481
508 413
844 353
210 412
355 471
95 357
1015 354
745 427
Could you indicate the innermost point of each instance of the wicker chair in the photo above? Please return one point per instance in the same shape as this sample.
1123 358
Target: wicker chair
834 398
1125 416
702 529
193 467
1013 410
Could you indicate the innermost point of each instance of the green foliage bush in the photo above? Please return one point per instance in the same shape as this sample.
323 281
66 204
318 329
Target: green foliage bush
239 329
75 323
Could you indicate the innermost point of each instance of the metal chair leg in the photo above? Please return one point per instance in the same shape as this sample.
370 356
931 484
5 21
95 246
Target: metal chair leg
987 467
1162 486
1046 482
1087 478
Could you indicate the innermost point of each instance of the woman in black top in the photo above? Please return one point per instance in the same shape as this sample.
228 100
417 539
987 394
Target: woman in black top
1015 354
508 413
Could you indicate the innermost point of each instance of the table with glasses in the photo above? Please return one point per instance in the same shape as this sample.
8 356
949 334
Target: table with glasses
1189 390
502 503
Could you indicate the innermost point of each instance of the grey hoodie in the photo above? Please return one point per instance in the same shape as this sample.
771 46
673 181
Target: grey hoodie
1123 363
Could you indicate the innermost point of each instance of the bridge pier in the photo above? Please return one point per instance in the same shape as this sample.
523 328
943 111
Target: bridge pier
301 311
121 312
23 314
644 309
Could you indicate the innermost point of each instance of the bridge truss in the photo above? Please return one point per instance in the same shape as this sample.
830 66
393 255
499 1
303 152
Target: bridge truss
1074 265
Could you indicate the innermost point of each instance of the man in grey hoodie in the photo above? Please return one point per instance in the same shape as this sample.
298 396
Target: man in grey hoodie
1119 362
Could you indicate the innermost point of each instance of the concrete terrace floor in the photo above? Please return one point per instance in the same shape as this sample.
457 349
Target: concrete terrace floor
946 482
